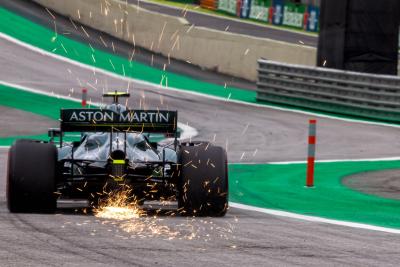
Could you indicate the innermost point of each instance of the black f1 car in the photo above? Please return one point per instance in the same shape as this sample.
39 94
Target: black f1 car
114 150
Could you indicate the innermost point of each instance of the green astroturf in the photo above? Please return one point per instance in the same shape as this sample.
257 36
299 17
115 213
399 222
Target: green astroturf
282 187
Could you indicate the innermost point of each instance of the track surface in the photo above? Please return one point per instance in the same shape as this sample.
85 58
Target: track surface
381 183
15 122
230 25
276 135
257 239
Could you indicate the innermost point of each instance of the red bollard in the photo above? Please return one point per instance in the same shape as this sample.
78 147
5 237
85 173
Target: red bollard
312 140
84 97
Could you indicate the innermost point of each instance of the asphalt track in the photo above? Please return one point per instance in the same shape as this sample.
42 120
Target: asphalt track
263 134
256 239
381 183
230 25
15 122
241 238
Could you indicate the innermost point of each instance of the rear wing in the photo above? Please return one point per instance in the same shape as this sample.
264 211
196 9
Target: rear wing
103 120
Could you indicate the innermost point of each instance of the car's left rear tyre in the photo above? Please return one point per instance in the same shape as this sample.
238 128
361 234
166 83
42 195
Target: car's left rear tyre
31 177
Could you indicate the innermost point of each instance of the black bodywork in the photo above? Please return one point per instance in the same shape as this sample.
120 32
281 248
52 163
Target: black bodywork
115 149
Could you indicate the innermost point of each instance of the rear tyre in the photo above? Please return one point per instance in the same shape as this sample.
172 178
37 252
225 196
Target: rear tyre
31 177
203 182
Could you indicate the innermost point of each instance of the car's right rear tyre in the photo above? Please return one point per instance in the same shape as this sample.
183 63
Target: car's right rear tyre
203 181
31 177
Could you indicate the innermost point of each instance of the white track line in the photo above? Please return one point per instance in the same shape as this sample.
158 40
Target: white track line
318 161
314 219
128 79
235 205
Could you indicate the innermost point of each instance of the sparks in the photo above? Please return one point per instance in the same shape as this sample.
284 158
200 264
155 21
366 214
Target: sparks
119 206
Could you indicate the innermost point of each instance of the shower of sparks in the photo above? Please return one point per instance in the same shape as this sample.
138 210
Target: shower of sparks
161 35
85 32
119 205
112 65
185 12
91 47
54 38
73 24
132 55
173 36
63 47
51 14
190 28
245 129
176 44
116 25
113 47
104 43
91 86
255 152
121 211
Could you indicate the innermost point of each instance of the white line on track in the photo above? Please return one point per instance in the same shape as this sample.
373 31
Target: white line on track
314 219
319 161
114 75
234 205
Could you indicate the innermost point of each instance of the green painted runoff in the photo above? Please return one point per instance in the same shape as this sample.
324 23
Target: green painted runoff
282 187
